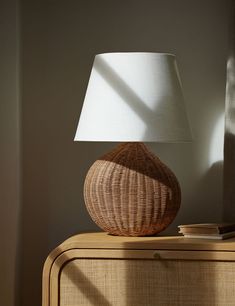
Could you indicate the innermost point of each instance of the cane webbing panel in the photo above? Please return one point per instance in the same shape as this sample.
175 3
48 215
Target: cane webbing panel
125 282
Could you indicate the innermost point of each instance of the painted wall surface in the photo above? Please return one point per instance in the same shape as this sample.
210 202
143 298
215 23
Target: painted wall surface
9 150
60 40
229 135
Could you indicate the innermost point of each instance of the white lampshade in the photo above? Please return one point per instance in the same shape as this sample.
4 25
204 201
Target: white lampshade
134 97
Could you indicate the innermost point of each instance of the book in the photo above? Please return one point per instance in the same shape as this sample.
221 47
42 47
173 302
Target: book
206 228
213 236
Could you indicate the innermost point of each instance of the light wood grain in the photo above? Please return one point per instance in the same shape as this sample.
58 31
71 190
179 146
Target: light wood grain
103 240
100 245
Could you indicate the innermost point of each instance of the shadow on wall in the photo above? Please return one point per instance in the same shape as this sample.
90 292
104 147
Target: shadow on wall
210 187
229 139
229 178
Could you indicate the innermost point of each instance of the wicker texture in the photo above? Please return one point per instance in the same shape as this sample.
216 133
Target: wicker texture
118 282
130 192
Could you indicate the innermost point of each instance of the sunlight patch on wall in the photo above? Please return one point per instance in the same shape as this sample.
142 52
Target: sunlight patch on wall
217 142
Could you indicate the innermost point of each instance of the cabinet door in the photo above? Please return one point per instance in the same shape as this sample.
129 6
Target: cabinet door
146 282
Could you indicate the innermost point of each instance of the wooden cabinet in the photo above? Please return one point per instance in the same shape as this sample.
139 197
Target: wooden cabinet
102 270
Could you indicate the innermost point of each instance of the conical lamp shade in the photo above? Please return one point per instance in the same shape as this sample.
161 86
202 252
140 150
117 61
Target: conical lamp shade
134 97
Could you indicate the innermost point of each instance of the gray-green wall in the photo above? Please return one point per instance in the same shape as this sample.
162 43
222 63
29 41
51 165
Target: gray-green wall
9 150
59 40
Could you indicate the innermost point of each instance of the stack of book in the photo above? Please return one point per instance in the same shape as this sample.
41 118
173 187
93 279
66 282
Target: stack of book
208 230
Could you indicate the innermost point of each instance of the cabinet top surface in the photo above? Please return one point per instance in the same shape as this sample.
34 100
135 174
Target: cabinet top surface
102 240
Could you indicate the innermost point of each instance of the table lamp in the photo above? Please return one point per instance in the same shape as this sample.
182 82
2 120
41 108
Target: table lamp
133 97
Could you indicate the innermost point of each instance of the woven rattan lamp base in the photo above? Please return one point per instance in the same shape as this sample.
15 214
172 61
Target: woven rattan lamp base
130 192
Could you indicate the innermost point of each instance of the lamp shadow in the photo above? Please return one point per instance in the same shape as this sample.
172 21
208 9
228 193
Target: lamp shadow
209 189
